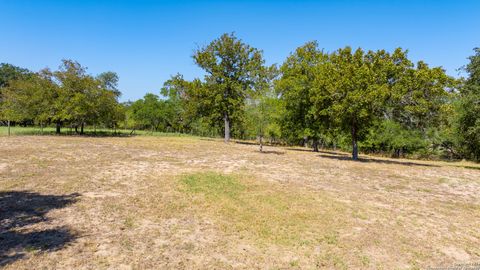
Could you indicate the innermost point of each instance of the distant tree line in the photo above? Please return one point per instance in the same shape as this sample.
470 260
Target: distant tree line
378 101
66 97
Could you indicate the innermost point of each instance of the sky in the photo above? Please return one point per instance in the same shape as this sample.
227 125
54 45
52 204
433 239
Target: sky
145 42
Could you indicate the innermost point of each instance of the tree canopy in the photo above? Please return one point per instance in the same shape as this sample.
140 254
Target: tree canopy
234 71
350 98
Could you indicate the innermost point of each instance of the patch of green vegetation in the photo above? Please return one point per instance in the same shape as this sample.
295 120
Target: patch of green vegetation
213 185
89 131
268 213
331 238
294 263
356 213
365 260
443 180
129 222
331 260
25 130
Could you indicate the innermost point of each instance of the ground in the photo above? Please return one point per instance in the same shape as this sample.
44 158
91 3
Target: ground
195 203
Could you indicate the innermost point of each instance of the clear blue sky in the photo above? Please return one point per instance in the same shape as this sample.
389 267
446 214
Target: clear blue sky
147 41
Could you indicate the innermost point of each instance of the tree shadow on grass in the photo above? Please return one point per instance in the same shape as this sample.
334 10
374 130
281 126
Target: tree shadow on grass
247 143
338 156
301 149
21 213
272 152
72 134
319 151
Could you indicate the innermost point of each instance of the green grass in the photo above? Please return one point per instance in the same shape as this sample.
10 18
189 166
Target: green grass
213 185
268 213
89 131
25 130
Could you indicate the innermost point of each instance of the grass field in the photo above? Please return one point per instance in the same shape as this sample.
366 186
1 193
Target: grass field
89 131
166 202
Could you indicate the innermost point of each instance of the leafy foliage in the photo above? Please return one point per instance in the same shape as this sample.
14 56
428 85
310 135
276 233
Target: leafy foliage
235 70
347 98
67 96
468 108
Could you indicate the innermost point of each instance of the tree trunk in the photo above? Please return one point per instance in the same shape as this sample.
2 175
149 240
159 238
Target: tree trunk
58 128
227 127
41 128
81 128
315 145
305 141
354 144
76 129
396 153
261 143
8 123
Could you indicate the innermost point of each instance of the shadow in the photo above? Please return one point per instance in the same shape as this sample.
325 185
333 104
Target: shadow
471 167
375 160
210 139
247 143
331 153
103 134
272 152
73 134
319 151
301 150
21 214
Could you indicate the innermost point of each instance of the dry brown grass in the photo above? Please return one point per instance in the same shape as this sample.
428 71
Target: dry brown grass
189 203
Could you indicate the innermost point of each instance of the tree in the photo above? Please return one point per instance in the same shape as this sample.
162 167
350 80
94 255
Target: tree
68 95
468 119
419 100
8 74
356 83
109 81
264 108
233 70
74 102
297 91
149 111
418 96
181 106
85 99
391 136
28 98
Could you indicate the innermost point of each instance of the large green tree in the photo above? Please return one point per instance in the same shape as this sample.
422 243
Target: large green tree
8 74
296 88
233 71
468 120
355 82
